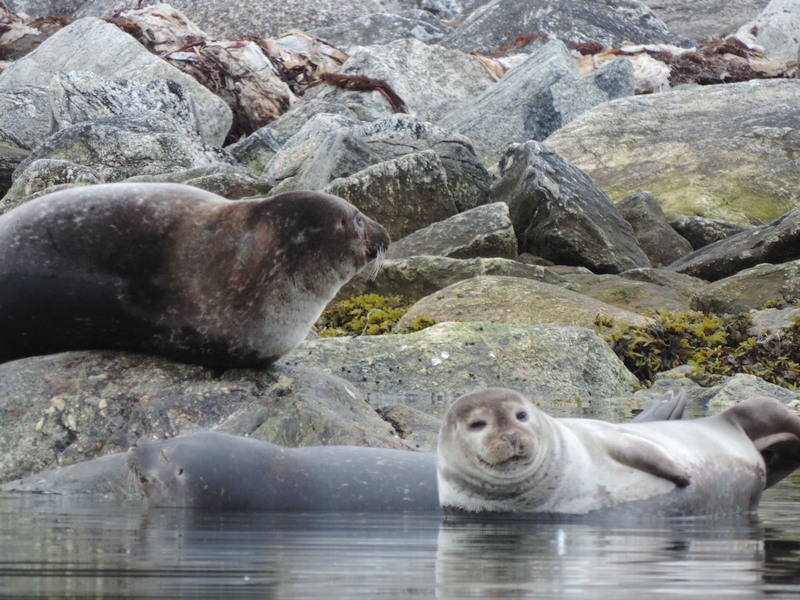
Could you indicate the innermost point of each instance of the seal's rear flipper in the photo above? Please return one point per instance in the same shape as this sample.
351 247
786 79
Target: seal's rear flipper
775 432
669 408
644 455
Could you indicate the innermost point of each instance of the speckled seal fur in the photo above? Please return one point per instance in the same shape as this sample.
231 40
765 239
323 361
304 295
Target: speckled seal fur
499 454
173 270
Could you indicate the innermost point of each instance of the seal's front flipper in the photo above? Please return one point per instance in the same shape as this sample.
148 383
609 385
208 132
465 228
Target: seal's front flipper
669 408
774 431
644 455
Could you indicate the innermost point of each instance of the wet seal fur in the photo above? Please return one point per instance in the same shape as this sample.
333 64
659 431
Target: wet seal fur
499 454
172 270
218 471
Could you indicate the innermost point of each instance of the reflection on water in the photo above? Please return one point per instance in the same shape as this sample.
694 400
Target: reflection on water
53 547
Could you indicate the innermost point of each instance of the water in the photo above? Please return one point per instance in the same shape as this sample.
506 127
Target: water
57 548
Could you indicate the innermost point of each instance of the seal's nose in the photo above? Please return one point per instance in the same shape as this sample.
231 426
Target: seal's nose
511 437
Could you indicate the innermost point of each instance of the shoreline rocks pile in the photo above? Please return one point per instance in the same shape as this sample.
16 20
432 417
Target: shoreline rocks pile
528 197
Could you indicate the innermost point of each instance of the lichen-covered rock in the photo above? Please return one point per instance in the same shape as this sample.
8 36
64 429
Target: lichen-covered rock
700 231
226 180
560 214
25 115
699 151
775 243
497 299
752 288
406 193
484 231
46 174
64 408
257 149
777 29
103 49
556 365
705 19
11 155
662 244
534 99
499 22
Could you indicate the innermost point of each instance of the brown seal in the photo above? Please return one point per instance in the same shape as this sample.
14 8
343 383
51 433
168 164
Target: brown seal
173 270
499 454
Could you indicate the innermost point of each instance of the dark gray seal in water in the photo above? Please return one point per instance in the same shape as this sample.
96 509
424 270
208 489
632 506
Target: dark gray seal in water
499 454
173 270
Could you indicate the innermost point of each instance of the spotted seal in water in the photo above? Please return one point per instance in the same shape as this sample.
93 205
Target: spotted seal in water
173 270
499 454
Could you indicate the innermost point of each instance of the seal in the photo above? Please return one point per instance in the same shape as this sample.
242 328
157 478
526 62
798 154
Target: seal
498 453
218 471
176 271
159 467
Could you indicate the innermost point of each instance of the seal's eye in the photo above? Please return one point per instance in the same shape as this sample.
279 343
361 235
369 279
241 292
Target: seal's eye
180 471
477 425
522 416
358 223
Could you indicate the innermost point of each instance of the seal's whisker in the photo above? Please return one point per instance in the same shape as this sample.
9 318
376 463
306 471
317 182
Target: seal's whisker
377 264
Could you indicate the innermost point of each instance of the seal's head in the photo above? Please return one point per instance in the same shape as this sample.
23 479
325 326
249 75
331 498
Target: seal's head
488 447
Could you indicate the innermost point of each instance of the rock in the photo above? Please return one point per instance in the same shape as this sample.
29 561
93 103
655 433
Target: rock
81 96
11 155
430 368
629 294
560 214
496 299
732 390
499 22
420 276
700 151
685 285
290 122
25 115
108 52
775 243
662 244
534 99
773 321
431 80
257 149
485 231
65 408
752 288
229 181
700 231
328 147
120 147
46 175
382 28
705 19
406 193
777 29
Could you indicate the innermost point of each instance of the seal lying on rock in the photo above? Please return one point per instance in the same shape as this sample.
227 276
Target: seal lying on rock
173 270
499 454
220 471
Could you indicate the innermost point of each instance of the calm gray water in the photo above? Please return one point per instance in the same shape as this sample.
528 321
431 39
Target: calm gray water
55 548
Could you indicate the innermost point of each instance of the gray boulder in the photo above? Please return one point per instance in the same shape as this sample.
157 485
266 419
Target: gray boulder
47 174
777 29
534 99
485 231
11 155
25 115
382 28
430 368
226 180
406 193
120 147
699 151
701 231
65 408
103 49
328 147
514 300
751 288
662 244
499 22
705 19
560 214
431 80
257 149
776 242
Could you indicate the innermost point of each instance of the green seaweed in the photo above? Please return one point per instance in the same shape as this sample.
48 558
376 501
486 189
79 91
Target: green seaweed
368 314
715 346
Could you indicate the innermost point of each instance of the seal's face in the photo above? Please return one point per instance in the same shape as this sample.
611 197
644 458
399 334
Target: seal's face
488 446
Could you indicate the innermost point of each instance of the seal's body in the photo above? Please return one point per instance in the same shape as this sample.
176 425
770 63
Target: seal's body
500 454
173 270
216 471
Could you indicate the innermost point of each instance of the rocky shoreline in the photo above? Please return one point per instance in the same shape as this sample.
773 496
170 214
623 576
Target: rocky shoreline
531 194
